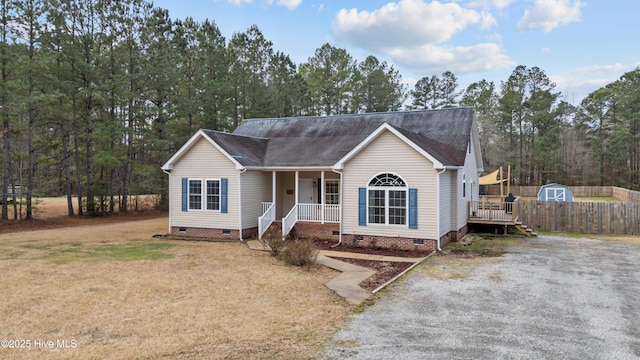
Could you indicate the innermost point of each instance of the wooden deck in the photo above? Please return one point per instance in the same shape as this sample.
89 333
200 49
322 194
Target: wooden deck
495 211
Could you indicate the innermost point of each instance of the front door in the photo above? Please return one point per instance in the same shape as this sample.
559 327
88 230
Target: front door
305 193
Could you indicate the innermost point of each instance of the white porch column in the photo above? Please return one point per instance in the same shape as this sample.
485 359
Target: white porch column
322 196
273 190
297 186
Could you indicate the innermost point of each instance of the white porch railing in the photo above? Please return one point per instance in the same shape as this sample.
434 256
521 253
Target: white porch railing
310 213
267 218
289 221
315 213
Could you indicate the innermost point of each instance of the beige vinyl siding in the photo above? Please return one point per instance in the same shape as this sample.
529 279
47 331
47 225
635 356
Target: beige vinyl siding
471 170
447 193
388 153
204 161
256 188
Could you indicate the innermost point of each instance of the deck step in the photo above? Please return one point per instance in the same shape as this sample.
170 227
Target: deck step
525 230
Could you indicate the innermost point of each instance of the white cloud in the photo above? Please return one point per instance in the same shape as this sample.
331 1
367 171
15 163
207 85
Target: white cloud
289 4
618 68
411 32
407 23
575 89
549 14
489 4
458 59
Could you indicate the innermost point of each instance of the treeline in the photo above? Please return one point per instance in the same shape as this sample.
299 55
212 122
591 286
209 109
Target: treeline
96 94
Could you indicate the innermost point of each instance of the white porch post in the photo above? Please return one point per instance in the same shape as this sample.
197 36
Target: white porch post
297 186
273 188
322 196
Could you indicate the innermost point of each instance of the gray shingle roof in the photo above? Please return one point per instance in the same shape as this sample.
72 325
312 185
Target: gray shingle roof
324 140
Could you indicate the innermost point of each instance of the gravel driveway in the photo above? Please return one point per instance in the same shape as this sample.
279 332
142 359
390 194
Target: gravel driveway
559 299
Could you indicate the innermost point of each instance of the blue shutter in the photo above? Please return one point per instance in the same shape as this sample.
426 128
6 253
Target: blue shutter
185 194
413 208
223 195
362 206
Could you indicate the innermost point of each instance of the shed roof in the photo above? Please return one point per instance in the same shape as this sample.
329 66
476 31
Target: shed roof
321 141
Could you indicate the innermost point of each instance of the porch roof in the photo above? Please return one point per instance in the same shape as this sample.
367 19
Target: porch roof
321 141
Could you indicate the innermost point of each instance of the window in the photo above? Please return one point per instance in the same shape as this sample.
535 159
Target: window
464 186
195 194
210 193
332 192
397 207
213 194
205 194
387 200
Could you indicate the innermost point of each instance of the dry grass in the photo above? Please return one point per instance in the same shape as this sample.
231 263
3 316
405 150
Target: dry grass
458 260
122 295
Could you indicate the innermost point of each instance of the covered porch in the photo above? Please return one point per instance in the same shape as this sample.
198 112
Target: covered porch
302 196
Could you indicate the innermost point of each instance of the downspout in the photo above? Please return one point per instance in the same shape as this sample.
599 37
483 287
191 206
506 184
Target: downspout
438 207
169 190
340 214
240 201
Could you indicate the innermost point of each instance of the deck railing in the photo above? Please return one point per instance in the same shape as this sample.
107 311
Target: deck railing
493 210
267 218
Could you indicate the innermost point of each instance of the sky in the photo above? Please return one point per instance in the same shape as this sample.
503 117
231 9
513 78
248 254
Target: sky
581 45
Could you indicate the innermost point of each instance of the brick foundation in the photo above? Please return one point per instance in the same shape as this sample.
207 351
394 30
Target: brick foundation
326 231
316 230
208 233
390 242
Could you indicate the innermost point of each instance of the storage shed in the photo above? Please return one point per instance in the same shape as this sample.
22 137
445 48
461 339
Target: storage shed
555 192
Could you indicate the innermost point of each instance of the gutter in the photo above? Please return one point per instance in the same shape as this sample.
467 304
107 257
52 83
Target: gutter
438 201
168 172
341 185
240 202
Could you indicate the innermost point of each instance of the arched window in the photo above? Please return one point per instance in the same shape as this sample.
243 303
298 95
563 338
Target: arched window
387 180
387 200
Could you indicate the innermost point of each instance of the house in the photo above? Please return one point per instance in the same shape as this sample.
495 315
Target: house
395 179
555 192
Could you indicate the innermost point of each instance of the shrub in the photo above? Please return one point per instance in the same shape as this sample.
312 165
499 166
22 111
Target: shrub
300 253
272 241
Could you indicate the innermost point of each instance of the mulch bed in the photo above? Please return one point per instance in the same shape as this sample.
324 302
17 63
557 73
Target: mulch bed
326 245
385 270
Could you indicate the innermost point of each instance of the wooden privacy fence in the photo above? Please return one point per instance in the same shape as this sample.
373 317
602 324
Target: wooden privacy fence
622 194
586 217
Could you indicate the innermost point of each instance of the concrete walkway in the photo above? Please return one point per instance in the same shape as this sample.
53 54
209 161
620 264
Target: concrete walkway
346 284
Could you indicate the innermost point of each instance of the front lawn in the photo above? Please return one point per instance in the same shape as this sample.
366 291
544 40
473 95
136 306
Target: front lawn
118 293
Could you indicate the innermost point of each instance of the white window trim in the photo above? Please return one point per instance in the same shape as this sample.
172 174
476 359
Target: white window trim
326 193
204 194
189 208
386 190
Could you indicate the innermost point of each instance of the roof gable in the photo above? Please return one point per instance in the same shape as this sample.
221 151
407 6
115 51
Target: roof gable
201 134
401 134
